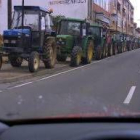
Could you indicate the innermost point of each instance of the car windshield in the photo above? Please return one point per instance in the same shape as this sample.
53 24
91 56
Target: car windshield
69 59
69 28
31 19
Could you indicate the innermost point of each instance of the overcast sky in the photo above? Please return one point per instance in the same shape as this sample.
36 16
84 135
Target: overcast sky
136 4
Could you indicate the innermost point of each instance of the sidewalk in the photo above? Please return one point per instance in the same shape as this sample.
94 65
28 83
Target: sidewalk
9 74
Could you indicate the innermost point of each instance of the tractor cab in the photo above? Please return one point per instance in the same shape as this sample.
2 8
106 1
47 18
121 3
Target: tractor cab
70 32
29 34
97 31
73 39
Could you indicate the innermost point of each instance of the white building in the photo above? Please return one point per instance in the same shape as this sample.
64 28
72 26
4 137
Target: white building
4 11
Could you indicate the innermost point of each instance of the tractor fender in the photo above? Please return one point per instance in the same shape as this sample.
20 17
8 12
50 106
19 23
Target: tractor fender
85 43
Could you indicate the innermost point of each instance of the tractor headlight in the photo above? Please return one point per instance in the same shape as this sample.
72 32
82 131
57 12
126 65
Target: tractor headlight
6 41
13 41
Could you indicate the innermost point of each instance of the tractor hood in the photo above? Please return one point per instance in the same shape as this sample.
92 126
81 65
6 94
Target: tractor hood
64 37
16 32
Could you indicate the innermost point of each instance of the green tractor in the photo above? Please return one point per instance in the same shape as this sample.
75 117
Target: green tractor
96 30
31 38
74 41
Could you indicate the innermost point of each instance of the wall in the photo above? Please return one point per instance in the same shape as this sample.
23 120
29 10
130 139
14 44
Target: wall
3 17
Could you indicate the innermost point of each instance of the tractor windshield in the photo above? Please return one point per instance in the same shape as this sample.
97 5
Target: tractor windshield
96 31
70 28
31 19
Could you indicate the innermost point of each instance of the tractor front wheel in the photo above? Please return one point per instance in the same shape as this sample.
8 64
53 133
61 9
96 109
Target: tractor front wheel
34 61
49 54
15 61
76 56
89 52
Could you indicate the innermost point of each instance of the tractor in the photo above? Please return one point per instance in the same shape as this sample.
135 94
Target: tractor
99 40
31 38
74 41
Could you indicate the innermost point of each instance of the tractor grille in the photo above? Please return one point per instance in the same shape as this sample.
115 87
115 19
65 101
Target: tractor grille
11 41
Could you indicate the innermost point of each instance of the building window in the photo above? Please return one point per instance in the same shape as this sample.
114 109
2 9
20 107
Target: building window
119 22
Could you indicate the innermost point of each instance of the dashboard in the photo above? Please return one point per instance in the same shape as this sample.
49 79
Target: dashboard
71 131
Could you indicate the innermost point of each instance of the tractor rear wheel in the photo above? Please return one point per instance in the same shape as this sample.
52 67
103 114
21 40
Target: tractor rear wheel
98 53
0 62
89 52
110 51
76 56
15 61
61 58
34 61
49 50
115 49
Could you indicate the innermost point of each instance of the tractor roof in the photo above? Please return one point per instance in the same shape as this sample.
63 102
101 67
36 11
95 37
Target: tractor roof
73 19
96 25
36 8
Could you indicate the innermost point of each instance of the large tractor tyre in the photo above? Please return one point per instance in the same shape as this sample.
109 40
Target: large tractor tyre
15 61
76 56
50 53
34 62
61 58
120 48
110 51
115 51
98 53
89 53
0 62
128 47
105 51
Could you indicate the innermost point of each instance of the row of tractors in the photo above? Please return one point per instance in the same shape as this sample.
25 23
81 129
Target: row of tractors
32 39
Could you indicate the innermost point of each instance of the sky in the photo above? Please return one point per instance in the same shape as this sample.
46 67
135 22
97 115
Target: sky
136 4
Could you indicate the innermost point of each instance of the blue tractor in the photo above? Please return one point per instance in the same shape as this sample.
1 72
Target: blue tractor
31 38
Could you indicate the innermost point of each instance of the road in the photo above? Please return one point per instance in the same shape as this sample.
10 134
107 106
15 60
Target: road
109 87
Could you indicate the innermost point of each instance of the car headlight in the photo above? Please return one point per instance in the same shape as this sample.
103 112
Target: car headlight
6 41
13 41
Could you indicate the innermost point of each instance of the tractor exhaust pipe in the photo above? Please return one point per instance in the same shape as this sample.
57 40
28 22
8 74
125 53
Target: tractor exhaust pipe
22 20
22 14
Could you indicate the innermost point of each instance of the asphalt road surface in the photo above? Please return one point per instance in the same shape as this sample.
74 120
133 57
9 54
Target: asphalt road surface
109 87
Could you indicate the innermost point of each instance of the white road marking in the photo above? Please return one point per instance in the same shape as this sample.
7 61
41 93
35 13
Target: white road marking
48 77
130 95
21 85
64 72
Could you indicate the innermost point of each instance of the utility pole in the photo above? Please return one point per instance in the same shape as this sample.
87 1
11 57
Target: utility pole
9 7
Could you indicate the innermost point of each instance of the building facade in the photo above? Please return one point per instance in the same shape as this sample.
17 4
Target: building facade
101 9
117 15
122 16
